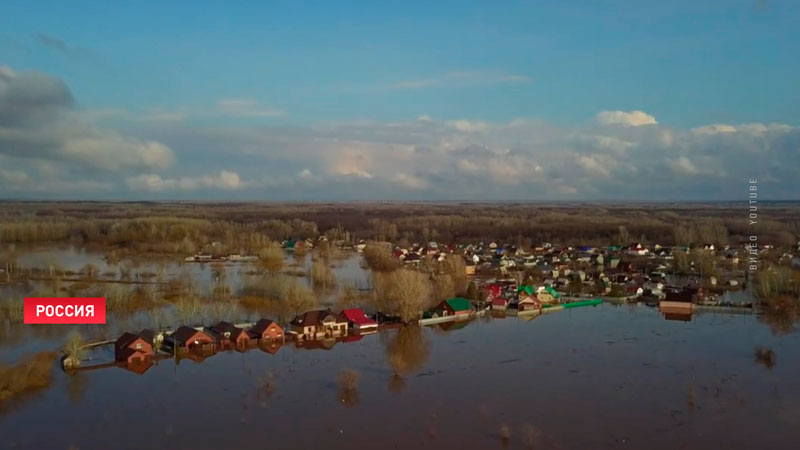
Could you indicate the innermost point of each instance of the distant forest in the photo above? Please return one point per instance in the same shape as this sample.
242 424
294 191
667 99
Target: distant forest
185 227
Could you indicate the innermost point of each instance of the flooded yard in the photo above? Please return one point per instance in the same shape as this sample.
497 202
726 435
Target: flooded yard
597 377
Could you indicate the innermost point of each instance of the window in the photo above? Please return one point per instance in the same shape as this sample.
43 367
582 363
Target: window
138 346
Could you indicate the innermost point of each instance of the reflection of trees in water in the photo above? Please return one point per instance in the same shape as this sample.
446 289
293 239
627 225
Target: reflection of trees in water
407 350
26 379
765 357
781 313
348 387
265 387
77 383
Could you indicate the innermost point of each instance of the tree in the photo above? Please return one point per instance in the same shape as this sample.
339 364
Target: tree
405 293
271 259
473 293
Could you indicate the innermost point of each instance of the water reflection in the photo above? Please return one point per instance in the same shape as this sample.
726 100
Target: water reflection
407 350
348 387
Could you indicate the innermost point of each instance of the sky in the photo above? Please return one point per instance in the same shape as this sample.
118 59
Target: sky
603 100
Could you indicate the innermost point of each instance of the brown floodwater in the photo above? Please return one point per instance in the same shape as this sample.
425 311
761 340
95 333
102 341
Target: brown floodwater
595 377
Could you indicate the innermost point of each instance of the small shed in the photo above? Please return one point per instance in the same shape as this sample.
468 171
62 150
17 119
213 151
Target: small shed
499 304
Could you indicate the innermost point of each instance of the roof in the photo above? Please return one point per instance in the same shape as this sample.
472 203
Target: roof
314 318
527 289
227 327
357 316
553 292
529 299
148 335
261 326
185 334
459 304
500 301
125 340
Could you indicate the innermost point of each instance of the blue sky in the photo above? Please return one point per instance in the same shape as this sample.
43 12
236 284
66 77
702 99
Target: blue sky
228 87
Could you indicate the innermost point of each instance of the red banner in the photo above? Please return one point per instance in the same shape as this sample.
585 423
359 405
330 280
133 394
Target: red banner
72 310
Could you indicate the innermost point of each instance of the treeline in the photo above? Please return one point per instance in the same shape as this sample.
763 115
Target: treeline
186 227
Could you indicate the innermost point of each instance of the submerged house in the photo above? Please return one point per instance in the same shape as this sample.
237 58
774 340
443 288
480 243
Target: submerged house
318 324
358 320
453 307
228 333
188 338
548 295
529 303
267 330
499 304
130 348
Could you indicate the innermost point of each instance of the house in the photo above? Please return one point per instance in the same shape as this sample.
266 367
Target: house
528 290
548 295
132 347
453 307
189 338
529 303
358 320
267 330
226 333
318 324
499 304
494 290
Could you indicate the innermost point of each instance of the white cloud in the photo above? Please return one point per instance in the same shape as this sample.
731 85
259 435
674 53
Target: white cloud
13 177
683 166
628 119
227 180
593 164
717 128
468 126
38 122
410 181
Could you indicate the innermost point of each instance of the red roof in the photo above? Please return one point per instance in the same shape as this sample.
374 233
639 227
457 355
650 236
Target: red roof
500 301
357 316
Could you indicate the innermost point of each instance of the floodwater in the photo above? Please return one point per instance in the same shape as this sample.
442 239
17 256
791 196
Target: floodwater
595 377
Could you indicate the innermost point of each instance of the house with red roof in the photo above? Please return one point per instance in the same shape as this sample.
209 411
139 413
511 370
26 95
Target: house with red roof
499 304
358 320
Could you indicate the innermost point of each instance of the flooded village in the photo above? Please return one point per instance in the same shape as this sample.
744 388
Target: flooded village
473 342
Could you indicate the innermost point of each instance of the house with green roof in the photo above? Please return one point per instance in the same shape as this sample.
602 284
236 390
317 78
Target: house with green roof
553 292
529 290
453 307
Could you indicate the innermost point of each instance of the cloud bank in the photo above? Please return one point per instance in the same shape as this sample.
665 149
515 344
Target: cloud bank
50 148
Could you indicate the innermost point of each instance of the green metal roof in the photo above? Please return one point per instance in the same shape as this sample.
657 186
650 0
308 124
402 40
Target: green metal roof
553 292
459 304
527 289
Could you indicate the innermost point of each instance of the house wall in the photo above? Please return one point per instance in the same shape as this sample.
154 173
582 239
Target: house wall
273 332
